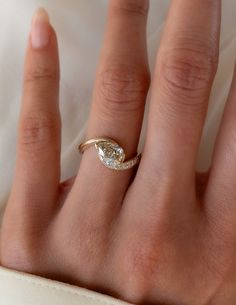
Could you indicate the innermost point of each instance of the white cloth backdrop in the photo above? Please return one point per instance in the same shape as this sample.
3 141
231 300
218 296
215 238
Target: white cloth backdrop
80 26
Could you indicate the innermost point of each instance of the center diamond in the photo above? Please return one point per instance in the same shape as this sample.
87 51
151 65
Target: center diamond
110 153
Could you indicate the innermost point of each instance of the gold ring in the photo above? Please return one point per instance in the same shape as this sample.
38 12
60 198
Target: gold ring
110 153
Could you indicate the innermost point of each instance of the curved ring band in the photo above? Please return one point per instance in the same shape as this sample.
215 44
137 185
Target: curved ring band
110 153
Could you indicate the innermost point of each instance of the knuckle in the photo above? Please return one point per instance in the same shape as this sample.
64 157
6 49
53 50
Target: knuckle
91 242
36 131
186 74
18 253
41 73
143 261
131 7
219 251
139 263
122 89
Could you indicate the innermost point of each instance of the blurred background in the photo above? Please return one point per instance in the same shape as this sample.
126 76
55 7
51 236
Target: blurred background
80 26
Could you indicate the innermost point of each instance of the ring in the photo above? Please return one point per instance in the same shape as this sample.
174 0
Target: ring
110 153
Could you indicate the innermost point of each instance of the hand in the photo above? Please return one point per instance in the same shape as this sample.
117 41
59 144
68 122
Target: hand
163 234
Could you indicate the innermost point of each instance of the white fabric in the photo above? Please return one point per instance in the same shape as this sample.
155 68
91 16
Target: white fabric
22 289
80 26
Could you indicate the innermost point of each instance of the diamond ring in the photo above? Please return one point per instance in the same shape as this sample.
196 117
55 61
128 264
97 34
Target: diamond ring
110 153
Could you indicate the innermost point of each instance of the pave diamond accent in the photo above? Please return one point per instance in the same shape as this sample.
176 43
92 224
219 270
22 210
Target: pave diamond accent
113 156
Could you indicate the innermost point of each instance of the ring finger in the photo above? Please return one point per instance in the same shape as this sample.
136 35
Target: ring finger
118 102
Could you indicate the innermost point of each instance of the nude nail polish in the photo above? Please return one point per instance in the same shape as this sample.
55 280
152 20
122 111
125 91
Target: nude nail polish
40 29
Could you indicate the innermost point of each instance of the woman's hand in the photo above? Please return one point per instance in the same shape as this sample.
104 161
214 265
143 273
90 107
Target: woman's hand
165 236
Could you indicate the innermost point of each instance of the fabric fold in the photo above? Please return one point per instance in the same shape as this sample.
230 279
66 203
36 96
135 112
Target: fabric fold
18 288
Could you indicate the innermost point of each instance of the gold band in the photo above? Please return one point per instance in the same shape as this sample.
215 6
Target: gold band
85 145
110 153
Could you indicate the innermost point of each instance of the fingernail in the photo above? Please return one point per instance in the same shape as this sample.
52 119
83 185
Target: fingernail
40 29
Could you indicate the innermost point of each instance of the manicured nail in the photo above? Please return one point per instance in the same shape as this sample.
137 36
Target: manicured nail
40 29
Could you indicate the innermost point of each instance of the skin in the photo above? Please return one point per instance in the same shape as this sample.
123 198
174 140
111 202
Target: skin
157 234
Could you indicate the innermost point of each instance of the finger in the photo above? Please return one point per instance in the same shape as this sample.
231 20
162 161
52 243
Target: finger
118 100
220 194
185 69
37 170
